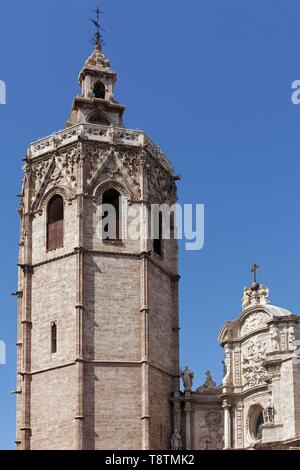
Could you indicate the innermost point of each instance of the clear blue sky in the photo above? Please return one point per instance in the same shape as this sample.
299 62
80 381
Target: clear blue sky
210 82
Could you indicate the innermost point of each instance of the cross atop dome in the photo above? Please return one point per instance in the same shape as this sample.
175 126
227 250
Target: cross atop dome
255 294
254 285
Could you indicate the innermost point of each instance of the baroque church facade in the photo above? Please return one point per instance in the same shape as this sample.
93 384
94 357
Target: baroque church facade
98 324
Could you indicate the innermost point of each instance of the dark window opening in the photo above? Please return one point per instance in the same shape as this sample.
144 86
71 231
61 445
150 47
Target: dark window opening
111 217
99 91
158 242
258 426
55 223
53 338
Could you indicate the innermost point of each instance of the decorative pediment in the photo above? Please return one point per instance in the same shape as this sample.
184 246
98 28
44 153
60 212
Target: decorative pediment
113 164
60 171
254 321
229 331
103 162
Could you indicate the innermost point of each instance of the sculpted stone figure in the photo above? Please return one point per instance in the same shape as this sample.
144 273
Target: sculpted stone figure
275 338
226 363
187 378
176 441
268 412
246 298
251 297
209 383
291 337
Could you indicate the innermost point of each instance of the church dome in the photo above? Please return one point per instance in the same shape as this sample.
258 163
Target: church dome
276 312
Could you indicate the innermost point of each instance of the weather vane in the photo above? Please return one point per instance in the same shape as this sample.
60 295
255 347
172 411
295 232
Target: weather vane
97 40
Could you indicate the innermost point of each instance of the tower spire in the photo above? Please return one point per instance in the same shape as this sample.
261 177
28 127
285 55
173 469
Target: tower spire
97 39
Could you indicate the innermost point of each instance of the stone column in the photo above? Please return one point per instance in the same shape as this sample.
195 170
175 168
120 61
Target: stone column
144 257
227 425
79 309
177 413
175 333
25 349
188 440
26 362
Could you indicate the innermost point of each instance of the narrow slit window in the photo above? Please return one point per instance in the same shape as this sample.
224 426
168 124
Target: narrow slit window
158 242
53 338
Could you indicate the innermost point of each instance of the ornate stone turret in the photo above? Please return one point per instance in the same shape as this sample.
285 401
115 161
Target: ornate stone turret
96 104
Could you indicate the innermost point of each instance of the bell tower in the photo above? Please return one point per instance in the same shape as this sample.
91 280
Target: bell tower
96 104
98 330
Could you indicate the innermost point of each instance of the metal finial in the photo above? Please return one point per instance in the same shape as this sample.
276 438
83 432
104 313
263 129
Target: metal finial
254 285
97 39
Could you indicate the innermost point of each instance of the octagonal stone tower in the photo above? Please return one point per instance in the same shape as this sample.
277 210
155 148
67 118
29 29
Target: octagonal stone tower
97 318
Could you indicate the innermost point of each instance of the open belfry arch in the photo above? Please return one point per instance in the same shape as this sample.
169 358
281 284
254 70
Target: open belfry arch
98 352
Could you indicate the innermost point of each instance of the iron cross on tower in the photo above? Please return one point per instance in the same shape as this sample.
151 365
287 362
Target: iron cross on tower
97 40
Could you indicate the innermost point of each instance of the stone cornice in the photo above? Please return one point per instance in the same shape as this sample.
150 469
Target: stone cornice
96 362
97 133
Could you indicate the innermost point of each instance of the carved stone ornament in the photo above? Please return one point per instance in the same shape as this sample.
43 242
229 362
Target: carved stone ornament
275 338
213 419
97 59
161 188
254 322
291 338
213 440
104 164
60 170
255 297
254 354
176 441
227 364
246 299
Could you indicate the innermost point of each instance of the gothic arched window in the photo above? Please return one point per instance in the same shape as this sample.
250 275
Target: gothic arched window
53 338
111 215
55 223
99 91
158 241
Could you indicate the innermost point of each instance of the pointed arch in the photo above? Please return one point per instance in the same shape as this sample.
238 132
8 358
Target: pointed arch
113 193
111 229
55 223
98 117
104 185
64 192
99 90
